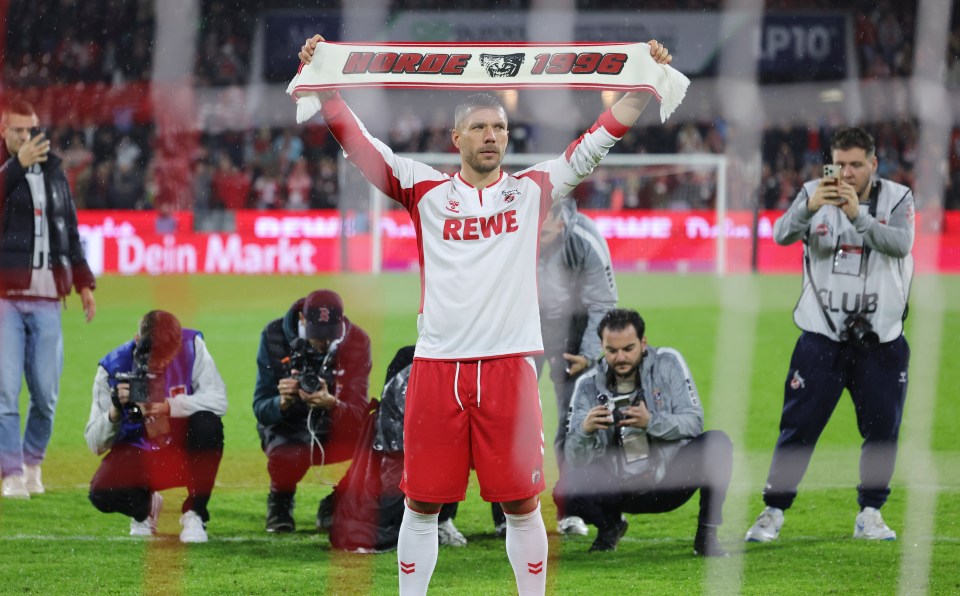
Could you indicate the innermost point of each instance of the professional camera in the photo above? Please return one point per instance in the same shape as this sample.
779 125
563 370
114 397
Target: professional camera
312 366
614 408
858 331
138 381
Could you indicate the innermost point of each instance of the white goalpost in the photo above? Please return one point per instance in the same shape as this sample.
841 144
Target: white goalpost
717 164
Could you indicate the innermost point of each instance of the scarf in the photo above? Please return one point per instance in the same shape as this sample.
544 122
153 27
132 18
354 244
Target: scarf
486 65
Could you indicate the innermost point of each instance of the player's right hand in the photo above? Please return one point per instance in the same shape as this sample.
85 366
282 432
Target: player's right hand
309 47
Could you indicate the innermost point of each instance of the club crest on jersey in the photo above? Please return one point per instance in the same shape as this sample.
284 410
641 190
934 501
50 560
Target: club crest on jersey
823 229
797 381
535 477
657 397
502 65
510 195
453 206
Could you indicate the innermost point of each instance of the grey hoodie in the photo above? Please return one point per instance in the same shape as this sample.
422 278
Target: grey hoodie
676 416
575 277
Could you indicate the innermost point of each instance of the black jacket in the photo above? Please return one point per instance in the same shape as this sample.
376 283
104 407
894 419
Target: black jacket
17 230
338 433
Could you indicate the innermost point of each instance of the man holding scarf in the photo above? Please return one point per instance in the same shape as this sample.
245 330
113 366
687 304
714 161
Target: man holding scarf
472 396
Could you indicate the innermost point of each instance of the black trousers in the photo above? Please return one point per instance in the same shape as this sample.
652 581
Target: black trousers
127 474
820 369
704 464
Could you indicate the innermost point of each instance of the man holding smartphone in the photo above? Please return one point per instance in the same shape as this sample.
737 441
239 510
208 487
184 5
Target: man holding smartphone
40 259
857 230
636 442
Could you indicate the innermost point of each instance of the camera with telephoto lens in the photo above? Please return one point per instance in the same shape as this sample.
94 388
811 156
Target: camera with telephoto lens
858 331
313 367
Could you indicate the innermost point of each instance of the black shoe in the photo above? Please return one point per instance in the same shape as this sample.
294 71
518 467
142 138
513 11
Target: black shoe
499 520
280 512
325 512
705 544
608 539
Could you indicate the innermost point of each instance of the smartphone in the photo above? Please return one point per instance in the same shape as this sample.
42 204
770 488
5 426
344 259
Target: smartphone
831 170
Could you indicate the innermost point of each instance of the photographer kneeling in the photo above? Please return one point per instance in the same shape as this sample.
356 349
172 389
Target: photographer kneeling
313 370
157 403
635 442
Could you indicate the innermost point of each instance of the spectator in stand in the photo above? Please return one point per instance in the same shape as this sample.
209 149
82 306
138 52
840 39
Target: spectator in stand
166 222
231 186
127 187
266 189
325 185
288 147
865 38
259 152
77 160
202 185
298 186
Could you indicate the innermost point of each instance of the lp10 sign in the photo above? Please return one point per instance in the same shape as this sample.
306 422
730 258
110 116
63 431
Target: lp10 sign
802 48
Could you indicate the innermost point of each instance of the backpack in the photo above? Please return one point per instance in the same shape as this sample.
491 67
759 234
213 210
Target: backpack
368 503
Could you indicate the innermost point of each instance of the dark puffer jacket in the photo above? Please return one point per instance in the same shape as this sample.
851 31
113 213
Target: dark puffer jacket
17 228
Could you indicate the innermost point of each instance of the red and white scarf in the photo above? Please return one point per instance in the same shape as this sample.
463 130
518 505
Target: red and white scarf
486 65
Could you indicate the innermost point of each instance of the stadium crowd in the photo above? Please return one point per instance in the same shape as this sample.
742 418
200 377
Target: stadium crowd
120 163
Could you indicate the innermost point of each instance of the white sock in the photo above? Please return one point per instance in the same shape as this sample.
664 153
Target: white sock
527 551
417 551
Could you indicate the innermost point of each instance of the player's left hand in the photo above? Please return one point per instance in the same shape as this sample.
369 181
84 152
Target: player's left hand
659 52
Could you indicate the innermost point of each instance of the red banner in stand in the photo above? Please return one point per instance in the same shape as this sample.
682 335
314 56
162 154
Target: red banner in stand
308 242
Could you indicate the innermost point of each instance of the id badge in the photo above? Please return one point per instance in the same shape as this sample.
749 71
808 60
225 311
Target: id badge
636 446
848 259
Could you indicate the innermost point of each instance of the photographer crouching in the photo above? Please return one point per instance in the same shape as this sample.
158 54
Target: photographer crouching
313 371
636 443
157 403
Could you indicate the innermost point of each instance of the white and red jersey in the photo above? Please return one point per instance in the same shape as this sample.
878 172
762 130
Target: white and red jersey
478 247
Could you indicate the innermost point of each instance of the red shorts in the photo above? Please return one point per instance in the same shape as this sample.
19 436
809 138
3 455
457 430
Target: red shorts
481 413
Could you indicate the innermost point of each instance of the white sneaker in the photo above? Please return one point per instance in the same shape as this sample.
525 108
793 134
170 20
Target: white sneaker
148 527
193 528
572 525
870 526
767 526
450 535
31 476
14 487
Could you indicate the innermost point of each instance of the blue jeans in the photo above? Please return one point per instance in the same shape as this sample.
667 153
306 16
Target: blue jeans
31 346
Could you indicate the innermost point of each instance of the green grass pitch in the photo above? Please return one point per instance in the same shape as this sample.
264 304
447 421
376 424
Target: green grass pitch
736 334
